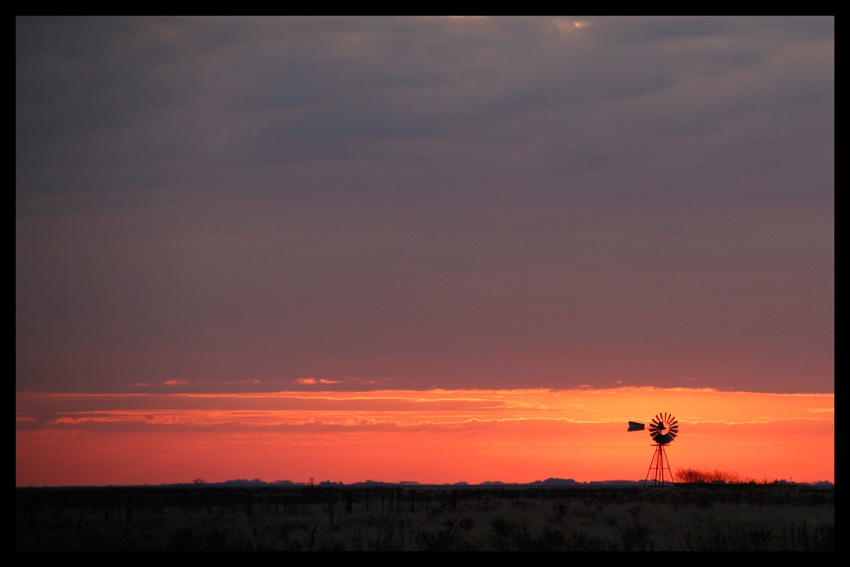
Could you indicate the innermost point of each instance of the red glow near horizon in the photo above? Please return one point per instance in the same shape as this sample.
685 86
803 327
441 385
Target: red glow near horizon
435 436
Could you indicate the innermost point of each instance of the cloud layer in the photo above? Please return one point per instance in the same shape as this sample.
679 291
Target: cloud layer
424 202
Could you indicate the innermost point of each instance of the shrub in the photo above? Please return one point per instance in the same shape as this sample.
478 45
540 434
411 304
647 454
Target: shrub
708 477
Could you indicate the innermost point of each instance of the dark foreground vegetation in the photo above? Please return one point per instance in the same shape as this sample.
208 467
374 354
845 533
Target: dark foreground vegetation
316 518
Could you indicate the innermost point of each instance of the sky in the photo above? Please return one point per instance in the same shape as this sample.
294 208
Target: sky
220 211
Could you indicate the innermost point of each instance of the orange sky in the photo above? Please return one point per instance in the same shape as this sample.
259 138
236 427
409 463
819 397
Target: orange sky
435 436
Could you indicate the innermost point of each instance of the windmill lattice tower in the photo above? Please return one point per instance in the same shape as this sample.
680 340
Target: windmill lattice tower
663 430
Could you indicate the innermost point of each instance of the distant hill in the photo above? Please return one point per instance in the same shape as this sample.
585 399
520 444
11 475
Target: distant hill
549 482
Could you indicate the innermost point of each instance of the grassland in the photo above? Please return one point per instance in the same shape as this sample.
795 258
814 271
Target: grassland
316 518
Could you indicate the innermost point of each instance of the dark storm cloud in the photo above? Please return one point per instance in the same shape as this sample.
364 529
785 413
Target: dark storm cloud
489 202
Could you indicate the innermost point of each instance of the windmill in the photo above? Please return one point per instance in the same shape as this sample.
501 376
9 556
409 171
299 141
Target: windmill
663 430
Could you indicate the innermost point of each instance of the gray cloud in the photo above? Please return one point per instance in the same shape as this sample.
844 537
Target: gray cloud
518 201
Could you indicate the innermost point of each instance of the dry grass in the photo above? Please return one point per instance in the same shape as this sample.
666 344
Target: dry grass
710 517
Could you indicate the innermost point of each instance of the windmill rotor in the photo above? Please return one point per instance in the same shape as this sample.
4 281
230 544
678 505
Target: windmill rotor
664 428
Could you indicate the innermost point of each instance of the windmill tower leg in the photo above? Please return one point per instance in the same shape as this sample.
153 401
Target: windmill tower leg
667 465
657 466
652 466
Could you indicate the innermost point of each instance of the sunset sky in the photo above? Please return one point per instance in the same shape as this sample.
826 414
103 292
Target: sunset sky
422 249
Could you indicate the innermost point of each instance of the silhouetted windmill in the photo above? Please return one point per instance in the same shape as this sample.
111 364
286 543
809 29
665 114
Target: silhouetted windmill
663 430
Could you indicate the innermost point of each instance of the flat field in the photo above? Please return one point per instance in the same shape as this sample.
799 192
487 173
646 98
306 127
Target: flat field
730 517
